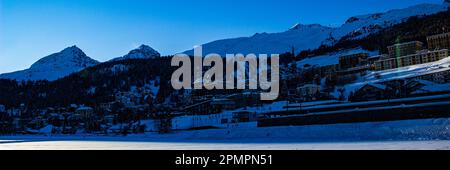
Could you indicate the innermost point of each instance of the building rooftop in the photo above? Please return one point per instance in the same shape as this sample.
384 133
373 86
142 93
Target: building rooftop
438 35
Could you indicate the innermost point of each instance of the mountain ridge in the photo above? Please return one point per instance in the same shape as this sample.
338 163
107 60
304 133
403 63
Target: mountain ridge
142 52
303 37
71 60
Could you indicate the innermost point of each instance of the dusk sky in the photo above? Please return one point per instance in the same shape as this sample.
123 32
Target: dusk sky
105 29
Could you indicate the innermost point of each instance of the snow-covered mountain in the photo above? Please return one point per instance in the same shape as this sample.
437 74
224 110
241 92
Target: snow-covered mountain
360 26
55 66
142 52
299 36
303 37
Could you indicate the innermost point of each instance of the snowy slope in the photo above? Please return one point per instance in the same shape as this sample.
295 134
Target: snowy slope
303 37
55 66
331 58
142 52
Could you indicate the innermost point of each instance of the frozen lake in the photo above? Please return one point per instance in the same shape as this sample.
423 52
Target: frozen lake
124 145
428 134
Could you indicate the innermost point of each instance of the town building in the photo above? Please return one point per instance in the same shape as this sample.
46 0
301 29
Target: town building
412 53
127 98
373 59
329 70
244 116
386 64
403 49
440 77
369 92
398 88
224 104
15 112
351 66
308 92
108 106
440 41
200 108
353 61
85 112
138 108
109 119
2 108
420 57
17 123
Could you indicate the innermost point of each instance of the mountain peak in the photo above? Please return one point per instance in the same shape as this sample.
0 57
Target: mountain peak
146 48
68 56
142 52
74 47
299 26
296 26
143 47
73 50
70 60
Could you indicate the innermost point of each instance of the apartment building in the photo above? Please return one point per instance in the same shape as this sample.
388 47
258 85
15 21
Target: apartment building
440 41
404 49
353 60
420 57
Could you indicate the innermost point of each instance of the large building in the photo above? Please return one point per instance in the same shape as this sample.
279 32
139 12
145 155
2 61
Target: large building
351 66
424 56
386 64
369 92
420 57
440 41
353 60
329 70
404 49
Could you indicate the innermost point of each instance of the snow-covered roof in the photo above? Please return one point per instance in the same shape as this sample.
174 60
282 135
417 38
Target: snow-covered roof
376 85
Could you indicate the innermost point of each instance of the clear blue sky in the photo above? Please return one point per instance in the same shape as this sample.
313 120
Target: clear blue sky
104 29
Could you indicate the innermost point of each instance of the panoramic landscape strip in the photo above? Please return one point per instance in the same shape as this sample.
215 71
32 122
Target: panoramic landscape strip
378 81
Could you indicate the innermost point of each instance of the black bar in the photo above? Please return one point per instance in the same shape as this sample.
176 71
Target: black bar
280 159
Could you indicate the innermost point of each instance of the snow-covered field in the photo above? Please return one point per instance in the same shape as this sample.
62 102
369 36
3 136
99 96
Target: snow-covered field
121 145
410 135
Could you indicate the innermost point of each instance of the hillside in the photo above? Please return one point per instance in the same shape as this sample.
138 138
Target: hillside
415 28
